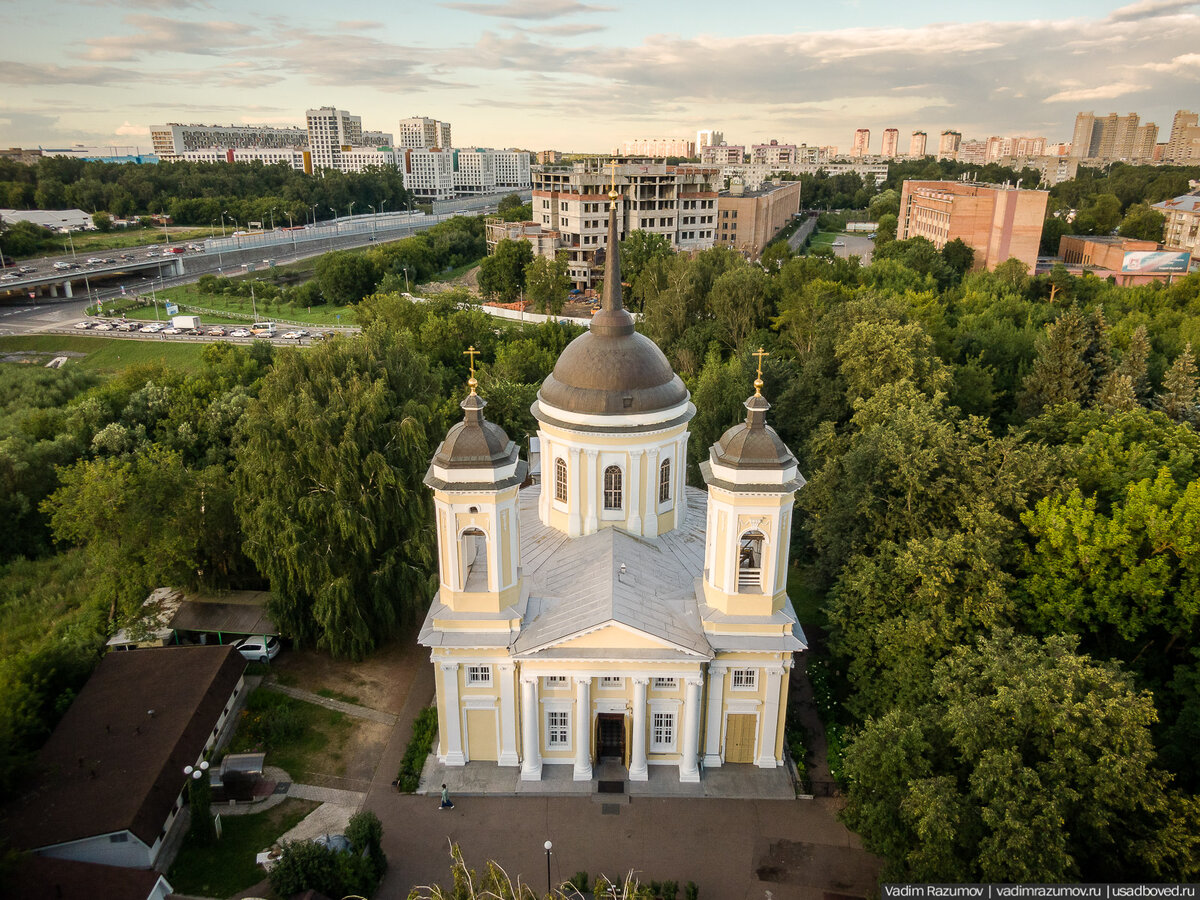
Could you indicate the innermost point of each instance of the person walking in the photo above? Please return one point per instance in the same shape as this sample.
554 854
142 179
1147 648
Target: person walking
446 804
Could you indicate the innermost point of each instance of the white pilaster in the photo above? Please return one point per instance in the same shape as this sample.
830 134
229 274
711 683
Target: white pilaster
770 715
548 456
574 491
508 716
688 770
681 505
583 729
651 528
592 522
637 755
452 749
716 699
531 765
635 493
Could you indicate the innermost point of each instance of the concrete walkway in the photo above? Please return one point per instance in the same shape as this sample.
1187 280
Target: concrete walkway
353 799
350 709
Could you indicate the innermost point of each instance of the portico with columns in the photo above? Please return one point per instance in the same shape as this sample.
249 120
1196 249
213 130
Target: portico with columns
611 614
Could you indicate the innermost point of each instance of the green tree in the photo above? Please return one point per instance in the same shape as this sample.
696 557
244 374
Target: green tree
1099 216
345 277
959 256
1178 396
1019 769
1143 223
639 249
502 275
508 203
1072 360
335 512
885 231
102 220
1135 361
547 282
885 203
739 300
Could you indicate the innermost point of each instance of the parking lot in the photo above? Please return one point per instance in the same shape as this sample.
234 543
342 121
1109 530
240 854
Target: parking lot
140 328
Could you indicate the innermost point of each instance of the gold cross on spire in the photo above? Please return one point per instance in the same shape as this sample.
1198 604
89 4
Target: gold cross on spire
612 189
758 382
472 352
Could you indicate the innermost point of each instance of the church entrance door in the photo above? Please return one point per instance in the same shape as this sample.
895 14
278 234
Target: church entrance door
610 736
739 738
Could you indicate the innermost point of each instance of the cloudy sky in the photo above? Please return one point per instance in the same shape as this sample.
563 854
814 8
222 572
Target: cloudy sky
582 75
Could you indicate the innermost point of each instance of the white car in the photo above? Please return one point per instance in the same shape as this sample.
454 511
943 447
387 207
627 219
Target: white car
240 332
172 330
93 261
152 328
83 325
128 326
838 244
104 326
258 648
292 335
9 276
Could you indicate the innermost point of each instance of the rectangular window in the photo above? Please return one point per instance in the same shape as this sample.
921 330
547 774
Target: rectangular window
609 681
558 730
664 684
662 733
480 676
553 681
745 679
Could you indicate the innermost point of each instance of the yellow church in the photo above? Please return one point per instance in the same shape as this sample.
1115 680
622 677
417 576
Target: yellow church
607 611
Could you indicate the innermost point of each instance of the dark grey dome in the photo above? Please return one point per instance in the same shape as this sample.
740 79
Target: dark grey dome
474 443
753 444
612 369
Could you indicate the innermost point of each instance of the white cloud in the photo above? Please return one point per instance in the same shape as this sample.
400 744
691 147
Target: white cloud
1100 92
1148 9
528 9
130 130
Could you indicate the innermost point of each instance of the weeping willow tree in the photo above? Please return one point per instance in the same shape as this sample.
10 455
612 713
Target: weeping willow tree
329 466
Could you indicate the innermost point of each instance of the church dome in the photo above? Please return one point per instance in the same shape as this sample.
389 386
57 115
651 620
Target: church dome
753 444
474 443
611 369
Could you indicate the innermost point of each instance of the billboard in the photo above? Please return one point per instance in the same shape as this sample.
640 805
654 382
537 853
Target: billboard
1155 261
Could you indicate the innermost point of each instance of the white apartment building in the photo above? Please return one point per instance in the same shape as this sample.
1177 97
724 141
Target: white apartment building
474 171
358 159
428 173
722 155
658 147
329 130
678 202
1014 146
512 169
173 140
378 139
709 137
1051 169
755 175
973 152
297 157
424 133
773 154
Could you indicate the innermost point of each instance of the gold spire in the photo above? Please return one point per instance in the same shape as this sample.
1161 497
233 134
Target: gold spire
471 382
612 188
758 382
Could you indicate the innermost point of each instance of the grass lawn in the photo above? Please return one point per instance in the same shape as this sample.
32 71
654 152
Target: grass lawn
227 866
103 354
88 242
301 738
188 296
823 237
808 602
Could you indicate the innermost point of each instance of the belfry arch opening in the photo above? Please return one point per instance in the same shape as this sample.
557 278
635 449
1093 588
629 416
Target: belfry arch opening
750 560
473 559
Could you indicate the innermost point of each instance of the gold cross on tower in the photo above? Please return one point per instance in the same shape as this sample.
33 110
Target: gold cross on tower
612 189
758 382
472 352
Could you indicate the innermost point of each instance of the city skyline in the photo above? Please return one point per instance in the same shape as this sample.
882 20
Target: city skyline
585 76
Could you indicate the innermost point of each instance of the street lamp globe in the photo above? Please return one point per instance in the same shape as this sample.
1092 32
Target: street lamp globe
549 846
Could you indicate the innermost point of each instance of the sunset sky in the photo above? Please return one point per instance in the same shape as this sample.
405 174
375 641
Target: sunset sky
585 76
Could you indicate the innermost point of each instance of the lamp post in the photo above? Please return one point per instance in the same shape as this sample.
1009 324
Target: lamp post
407 289
549 846
374 218
337 223
314 209
223 215
273 208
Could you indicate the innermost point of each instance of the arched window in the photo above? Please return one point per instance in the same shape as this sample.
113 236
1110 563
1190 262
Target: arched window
612 487
560 480
750 560
472 554
664 481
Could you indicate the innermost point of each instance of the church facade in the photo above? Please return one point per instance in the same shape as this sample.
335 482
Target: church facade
611 612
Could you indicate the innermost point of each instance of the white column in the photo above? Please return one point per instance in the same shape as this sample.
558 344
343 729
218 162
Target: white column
592 523
770 715
508 716
452 748
716 700
531 765
574 491
583 729
637 755
634 519
688 770
652 493
681 506
548 454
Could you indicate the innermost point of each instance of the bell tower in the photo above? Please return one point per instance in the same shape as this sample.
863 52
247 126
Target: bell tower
475 475
752 481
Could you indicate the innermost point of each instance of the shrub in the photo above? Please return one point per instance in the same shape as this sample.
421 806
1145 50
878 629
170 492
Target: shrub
272 720
579 881
365 833
424 734
691 891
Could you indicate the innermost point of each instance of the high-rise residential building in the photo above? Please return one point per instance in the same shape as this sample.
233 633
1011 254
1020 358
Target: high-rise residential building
948 144
329 130
1181 231
172 141
660 147
548 157
1014 146
862 142
708 138
482 170
677 202
298 158
973 152
891 143
916 146
998 222
773 154
1184 143
378 139
428 172
749 219
1113 137
423 133
722 154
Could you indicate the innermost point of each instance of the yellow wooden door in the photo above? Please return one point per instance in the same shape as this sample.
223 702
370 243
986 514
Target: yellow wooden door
481 734
739 738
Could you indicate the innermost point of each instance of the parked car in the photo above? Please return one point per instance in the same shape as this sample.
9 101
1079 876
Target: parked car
258 648
838 244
